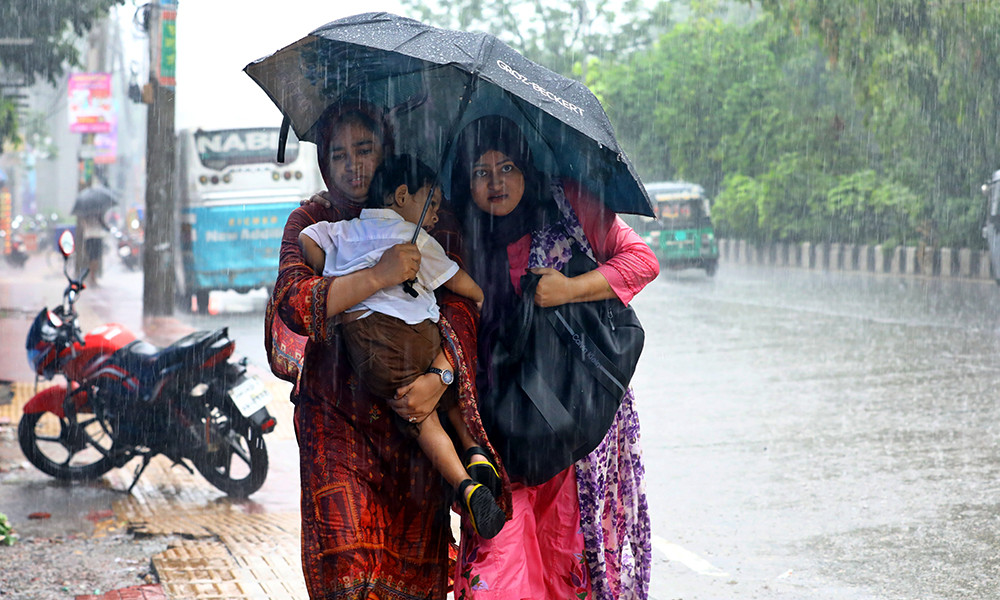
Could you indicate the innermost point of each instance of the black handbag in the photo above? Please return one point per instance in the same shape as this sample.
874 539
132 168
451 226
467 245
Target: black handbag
559 375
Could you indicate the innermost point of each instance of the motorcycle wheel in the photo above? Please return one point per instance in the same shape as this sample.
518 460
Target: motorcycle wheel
64 447
235 459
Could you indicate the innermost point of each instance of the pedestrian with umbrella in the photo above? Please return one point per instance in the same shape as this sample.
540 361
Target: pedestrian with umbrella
432 83
518 219
89 207
374 510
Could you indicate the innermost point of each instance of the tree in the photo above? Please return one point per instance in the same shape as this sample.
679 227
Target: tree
754 114
560 35
714 98
37 41
926 74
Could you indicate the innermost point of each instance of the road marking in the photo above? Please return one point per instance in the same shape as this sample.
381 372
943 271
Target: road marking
687 558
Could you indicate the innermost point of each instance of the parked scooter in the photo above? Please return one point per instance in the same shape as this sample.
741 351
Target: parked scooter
17 254
193 401
129 249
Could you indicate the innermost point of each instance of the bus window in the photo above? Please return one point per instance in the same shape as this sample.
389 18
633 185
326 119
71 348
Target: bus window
681 214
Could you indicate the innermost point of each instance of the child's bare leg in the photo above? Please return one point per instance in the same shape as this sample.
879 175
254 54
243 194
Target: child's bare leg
437 445
462 430
477 464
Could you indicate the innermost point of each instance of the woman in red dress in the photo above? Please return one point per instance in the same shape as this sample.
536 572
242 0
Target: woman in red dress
375 520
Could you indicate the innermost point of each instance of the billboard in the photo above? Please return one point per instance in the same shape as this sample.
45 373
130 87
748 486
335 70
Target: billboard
90 107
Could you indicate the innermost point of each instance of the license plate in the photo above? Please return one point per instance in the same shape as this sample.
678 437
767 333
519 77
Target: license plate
250 396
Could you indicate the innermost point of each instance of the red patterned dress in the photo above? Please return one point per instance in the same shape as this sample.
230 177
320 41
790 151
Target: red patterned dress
375 520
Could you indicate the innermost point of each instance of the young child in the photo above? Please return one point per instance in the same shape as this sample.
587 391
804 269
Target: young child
391 337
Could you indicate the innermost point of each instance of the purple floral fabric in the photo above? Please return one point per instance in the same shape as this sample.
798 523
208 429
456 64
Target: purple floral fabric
614 515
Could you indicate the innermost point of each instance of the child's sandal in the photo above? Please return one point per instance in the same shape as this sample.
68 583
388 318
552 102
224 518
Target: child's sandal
483 471
487 518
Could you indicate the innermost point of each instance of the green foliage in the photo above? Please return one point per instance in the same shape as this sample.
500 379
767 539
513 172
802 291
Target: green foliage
756 114
735 212
53 28
560 35
867 208
925 75
7 535
956 223
716 98
8 121
855 121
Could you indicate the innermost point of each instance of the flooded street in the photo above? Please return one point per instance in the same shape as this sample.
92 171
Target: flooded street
821 435
810 434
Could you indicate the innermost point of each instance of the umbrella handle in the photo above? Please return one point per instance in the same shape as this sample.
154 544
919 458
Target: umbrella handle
408 287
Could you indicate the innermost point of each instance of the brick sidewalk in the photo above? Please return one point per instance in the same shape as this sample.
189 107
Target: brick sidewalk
222 548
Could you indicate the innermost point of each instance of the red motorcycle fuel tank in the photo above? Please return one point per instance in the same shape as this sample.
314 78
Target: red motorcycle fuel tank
98 346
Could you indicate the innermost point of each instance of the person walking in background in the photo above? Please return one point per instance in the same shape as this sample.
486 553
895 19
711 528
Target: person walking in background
90 230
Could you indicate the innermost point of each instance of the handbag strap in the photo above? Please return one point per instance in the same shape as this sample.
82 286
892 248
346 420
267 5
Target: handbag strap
529 281
578 264
604 369
547 403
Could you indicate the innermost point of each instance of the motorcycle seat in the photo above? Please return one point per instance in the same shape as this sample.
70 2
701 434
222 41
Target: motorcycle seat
189 351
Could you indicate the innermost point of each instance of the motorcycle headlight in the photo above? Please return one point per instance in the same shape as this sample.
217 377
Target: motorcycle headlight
40 343
124 251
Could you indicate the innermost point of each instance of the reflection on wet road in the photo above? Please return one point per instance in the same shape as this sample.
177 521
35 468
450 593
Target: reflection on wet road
808 435
820 435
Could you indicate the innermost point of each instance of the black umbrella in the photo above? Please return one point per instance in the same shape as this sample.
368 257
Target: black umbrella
94 201
435 81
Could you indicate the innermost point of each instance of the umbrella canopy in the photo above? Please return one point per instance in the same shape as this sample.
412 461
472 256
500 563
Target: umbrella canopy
94 201
435 81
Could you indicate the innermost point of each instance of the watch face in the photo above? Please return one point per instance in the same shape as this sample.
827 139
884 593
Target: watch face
445 374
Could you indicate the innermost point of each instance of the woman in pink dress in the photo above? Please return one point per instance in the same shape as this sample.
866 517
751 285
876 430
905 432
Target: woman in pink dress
584 533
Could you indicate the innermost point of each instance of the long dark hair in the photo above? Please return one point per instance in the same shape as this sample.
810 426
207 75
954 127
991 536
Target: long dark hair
486 237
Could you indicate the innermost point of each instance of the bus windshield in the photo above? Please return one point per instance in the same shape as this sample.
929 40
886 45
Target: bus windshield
681 214
223 148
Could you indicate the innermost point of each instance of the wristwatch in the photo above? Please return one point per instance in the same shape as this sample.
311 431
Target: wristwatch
446 375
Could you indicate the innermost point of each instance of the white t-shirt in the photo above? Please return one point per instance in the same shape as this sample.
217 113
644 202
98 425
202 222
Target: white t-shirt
359 243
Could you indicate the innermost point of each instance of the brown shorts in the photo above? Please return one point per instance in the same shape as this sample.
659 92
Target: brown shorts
388 353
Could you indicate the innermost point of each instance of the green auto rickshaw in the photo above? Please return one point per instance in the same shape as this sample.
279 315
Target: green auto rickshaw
682 234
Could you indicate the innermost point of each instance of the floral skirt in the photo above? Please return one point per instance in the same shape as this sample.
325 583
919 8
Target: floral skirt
537 554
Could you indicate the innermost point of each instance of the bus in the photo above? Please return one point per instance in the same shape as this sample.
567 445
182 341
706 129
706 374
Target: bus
233 201
681 235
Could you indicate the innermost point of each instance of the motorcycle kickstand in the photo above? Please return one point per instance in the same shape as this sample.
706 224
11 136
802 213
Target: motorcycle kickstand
138 471
183 464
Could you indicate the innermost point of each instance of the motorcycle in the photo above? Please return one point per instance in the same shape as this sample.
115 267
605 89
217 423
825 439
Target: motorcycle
129 250
193 401
17 254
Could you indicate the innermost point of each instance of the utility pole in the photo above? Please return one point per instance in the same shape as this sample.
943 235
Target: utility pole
158 258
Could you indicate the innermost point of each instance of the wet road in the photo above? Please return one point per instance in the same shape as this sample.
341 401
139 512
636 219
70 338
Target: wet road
808 435
817 435
811 435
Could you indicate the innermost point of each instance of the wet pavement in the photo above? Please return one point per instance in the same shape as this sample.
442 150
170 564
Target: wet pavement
216 547
808 435
821 435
